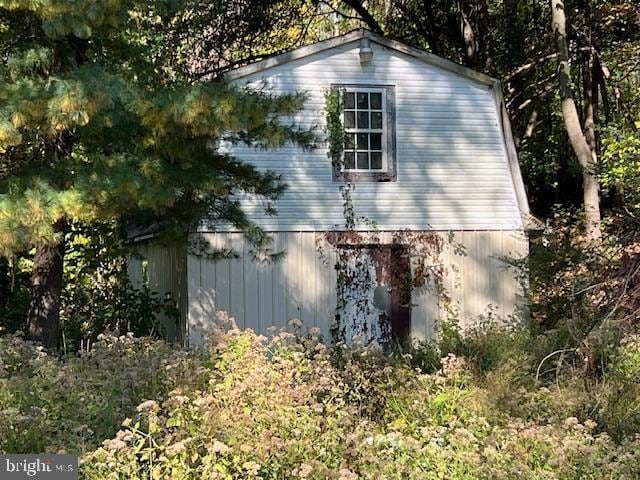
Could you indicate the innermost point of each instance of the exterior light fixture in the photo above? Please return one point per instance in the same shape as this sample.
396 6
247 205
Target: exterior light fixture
366 54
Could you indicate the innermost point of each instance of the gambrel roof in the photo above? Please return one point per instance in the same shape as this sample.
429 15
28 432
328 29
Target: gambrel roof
474 76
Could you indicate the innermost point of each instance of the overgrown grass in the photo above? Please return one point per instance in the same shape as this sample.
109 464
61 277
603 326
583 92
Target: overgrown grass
468 408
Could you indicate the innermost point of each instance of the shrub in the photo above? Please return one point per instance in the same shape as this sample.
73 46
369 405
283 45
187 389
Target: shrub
289 407
73 403
620 410
281 408
98 295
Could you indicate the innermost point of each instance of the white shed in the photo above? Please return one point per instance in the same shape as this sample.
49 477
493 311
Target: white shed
411 225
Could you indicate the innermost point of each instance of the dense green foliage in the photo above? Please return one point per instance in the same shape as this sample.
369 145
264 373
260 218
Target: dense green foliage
90 130
291 408
100 125
98 293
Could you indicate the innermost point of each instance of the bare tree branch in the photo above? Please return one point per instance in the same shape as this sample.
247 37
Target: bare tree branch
364 14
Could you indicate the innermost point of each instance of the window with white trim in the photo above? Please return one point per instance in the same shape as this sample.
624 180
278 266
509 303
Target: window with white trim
369 126
363 119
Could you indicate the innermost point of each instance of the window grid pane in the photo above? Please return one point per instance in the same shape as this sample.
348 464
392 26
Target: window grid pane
363 122
349 100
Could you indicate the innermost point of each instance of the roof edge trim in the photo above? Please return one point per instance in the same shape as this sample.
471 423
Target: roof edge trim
354 35
529 221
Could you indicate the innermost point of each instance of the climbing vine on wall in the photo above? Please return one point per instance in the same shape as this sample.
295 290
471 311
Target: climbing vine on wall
347 206
358 243
354 251
335 129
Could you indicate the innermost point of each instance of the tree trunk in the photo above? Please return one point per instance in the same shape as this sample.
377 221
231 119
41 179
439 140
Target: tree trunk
4 281
468 33
365 15
577 138
43 321
433 38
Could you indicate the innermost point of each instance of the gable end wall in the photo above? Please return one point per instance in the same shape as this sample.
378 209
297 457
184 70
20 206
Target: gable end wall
453 171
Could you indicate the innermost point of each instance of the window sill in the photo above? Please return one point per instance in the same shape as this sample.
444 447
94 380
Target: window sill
342 176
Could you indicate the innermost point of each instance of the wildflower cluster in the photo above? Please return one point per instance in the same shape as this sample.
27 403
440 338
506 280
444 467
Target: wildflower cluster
289 407
285 407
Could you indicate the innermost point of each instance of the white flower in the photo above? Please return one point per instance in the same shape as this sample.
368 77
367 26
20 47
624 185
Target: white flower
148 405
346 474
295 323
219 447
303 471
251 467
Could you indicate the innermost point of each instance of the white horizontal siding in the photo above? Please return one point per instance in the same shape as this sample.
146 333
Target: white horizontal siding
303 286
452 168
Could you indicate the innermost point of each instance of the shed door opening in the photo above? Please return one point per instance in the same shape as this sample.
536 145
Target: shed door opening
374 297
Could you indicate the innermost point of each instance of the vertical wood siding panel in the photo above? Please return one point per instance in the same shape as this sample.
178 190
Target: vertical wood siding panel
287 273
431 313
318 290
265 294
251 290
287 268
171 289
483 273
458 262
419 314
308 280
448 280
209 294
194 315
317 307
430 300
325 290
477 273
502 275
332 297
511 288
134 270
302 286
166 278
469 291
521 250
280 290
494 266
294 275
474 272
236 279
152 266
183 302
464 283
223 274
510 284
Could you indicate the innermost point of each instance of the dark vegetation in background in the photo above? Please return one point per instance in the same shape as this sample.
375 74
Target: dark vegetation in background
98 295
